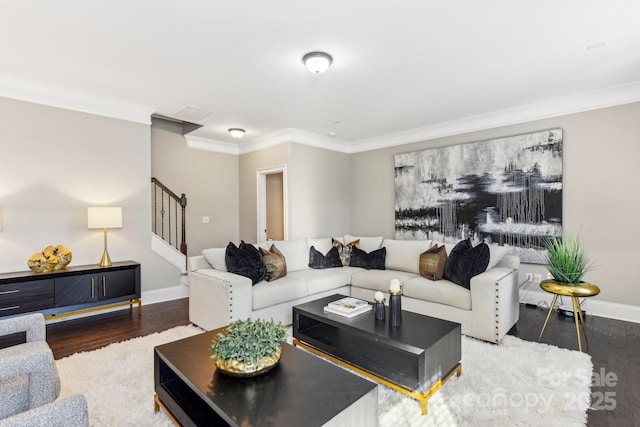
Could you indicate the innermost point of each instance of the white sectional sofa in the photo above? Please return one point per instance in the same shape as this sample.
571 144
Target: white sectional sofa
486 311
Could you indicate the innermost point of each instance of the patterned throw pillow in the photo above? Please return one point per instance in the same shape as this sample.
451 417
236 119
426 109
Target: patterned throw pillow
432 262
466 261
274 263
319 261
245 260
345 250
373 260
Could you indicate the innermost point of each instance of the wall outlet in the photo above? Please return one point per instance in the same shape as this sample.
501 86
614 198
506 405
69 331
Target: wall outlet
206 220
529 277
537 278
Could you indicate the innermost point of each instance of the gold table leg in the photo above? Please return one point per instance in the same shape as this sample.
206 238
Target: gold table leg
553 304
420 397
584 331
577 320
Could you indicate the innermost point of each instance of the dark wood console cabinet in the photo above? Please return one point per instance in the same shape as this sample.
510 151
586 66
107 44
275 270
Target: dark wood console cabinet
70 291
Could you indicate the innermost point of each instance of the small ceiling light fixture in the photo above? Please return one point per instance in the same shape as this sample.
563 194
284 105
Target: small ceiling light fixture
317 62
236 132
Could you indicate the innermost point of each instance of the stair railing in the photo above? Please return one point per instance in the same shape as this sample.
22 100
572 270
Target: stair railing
169 215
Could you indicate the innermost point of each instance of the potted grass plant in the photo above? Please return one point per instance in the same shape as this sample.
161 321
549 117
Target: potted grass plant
567 260
248 347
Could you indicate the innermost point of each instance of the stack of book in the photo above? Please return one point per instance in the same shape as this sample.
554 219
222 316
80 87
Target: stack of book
348 307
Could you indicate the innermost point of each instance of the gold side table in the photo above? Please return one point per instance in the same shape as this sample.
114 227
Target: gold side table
579 290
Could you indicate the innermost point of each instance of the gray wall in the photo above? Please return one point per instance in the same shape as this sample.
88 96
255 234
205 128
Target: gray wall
601 175
317 189
56 163
210 181
250 164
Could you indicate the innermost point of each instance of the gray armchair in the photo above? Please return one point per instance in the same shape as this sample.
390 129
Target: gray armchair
29 381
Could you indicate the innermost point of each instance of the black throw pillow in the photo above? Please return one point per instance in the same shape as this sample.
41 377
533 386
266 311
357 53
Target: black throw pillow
245 260
466 261
319 261
373 260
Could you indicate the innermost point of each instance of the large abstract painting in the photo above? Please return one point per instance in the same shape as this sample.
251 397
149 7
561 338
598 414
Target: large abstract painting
505 191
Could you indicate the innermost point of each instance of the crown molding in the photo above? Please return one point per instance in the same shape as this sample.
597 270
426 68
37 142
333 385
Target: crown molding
207 144
281 137
71 100
586 101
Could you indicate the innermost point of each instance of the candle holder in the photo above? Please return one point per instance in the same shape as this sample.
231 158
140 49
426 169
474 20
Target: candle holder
378 305
395 306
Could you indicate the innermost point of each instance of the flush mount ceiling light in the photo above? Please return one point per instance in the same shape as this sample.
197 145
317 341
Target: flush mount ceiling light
317 62
236 132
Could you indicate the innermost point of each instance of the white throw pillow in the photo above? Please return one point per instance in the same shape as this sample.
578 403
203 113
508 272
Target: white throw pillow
216 257
367 244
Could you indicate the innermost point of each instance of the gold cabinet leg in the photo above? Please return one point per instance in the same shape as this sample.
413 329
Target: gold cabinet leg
553 304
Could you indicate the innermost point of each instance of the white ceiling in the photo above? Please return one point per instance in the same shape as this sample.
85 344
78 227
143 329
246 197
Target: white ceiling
401 68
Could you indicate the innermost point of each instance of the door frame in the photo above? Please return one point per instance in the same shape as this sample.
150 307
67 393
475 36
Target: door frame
261 177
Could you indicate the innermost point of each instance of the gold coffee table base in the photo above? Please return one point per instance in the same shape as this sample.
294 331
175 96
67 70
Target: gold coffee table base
414 394
575 292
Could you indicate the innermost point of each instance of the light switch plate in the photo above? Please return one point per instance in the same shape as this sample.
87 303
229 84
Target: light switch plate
205 220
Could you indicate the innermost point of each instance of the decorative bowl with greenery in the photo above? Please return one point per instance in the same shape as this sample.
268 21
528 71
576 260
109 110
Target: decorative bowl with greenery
248 347
566 259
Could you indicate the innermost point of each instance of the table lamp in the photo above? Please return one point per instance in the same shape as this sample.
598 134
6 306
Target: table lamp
104 217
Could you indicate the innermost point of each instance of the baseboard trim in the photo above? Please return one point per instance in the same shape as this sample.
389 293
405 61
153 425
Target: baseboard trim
628 313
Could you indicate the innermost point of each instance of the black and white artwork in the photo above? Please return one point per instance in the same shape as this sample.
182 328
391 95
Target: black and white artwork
505 191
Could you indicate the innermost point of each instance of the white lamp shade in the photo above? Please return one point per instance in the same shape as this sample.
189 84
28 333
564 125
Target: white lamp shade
104 217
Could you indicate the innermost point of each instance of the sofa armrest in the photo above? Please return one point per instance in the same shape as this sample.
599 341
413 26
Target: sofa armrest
34 359
217 298
68 411
32 324
494 303
198 262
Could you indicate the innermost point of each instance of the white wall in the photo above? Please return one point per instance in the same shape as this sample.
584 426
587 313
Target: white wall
319 190
55 163
209 180
601 175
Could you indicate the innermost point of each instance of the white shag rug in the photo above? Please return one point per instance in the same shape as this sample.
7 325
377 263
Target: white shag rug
516 383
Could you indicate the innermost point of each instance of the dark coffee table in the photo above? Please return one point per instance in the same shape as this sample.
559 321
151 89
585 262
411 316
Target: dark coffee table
415 358
301 390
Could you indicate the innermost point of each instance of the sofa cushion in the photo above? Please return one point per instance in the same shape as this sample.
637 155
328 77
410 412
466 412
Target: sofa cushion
216 257
345 250
295 252
322 245
404 255
378 280
267 294
367 244
466 261
432 262
496 253
441 292
373 260
245 260
274 262
322 280
319 261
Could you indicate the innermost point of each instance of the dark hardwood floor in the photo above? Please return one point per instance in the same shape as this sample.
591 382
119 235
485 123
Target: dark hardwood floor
93 332
613 345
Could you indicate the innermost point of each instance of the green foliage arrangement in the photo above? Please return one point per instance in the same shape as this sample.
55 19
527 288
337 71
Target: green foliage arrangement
248 340
566 259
